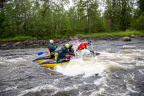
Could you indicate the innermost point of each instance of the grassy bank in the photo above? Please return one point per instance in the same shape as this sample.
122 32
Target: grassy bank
120 33
18 38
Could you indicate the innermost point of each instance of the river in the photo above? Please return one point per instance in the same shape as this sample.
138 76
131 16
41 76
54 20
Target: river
117 71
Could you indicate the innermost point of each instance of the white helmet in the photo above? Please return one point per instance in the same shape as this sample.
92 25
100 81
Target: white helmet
51 41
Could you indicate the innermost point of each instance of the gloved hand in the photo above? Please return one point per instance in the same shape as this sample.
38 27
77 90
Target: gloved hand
56 46
90 42
92 51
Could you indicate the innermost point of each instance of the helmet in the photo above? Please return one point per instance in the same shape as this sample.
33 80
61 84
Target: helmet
67 45
70 45
51 41
89 43
71 39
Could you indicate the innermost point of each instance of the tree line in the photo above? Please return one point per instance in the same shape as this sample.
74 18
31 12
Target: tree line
49 18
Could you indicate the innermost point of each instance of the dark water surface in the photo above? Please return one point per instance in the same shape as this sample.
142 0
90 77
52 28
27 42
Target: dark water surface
118 71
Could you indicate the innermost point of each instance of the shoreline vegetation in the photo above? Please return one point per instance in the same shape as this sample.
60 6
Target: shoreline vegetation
28 40
99 34
33 20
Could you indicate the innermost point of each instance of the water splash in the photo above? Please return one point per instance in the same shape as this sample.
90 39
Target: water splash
93 65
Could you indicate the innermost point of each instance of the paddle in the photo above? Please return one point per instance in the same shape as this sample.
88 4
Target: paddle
40 53
92 50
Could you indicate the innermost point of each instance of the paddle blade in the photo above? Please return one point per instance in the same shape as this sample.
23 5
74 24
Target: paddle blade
97 54
40 53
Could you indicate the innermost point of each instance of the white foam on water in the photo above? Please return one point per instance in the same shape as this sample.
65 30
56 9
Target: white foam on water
84 52
1 62
78 66
140 63
100 81
39 88
47 87
128 47
120 57
95 65
9 88
15 60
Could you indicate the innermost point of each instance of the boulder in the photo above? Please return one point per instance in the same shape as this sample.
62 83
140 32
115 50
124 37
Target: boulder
17 44
132 36
126 38
3 45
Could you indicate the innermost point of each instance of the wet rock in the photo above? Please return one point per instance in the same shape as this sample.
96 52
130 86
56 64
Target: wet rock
132 36
136 36
126 38
17 44
62 40
3 45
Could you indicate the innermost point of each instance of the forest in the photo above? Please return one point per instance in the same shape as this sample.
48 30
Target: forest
62 18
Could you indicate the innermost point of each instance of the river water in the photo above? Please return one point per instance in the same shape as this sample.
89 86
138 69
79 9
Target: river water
117 71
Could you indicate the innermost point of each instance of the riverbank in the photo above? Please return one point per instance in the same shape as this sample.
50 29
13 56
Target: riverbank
38 42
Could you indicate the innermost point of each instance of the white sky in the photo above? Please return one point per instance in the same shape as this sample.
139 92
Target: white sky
101 6
68 6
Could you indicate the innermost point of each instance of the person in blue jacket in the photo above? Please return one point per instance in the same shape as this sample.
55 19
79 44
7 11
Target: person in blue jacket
51 48
63 52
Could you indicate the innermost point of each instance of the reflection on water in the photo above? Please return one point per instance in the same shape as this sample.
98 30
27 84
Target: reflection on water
117 71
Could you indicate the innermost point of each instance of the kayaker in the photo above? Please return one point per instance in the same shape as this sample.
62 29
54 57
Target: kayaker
63 52
71 40
70 49
51 48
83 46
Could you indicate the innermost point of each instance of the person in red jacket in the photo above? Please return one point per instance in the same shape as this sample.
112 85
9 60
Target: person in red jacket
83 46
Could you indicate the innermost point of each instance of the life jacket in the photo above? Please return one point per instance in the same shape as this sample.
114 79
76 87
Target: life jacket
63 48
82 45
51 47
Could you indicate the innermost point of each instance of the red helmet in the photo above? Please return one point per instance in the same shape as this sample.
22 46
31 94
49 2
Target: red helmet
71 39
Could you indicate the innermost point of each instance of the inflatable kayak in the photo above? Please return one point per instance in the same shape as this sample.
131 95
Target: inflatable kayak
43 58
46 58
52 63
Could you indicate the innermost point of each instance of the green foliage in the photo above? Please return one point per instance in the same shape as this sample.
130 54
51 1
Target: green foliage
140 4
50 19
118 14
119 33
2 20
138 24
18 38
